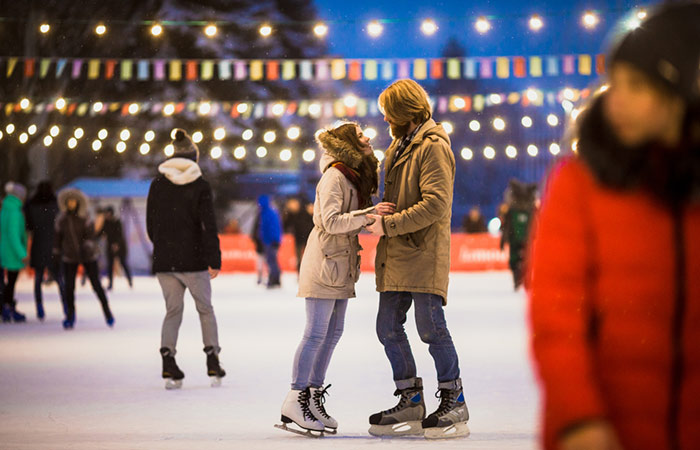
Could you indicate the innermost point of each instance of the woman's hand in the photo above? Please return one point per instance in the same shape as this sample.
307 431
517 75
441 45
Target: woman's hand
375 226
598 435
385 208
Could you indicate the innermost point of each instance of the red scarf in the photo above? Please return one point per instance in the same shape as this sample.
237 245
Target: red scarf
353 177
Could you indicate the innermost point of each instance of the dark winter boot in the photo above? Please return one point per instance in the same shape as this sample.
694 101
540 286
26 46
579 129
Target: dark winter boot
17 317
404 418
6 313
450 419
171 372
214 369
40 311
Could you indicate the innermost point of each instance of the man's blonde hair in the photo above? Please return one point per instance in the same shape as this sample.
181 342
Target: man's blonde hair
405 101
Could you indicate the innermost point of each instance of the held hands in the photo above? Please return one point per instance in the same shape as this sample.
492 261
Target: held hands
385 208
375 226
597 435
213 273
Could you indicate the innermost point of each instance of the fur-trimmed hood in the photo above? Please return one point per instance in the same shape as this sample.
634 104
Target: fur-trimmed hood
340 150
67 193
672 175
180 170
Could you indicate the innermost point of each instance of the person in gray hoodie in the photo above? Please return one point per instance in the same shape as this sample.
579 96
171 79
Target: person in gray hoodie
181 224
330 268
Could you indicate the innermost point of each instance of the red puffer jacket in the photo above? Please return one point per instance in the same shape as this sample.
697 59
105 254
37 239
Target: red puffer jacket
615 311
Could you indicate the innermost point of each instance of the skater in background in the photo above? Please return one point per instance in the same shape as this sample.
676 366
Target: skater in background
330 267
75 243
474 222
116 245
186 255
615 260
41 211
299 222
413 264
269 231
261 268
515 229
13 247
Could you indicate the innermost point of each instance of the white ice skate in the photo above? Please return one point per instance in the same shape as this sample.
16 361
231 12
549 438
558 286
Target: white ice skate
297 416
318 398
171 384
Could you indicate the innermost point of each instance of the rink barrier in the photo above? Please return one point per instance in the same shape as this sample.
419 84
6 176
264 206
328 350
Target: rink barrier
470 252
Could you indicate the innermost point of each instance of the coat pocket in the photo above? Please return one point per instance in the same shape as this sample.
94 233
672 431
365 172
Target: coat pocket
335 268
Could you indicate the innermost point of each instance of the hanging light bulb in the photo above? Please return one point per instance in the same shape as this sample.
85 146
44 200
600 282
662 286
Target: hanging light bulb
156 30
121 147
72 143
309 155
100 29
428 27
489 152
44 28
269 137
125 135
482 25
320 29
219 133
149 136
78 133
210 30
590 20
293 133
467 153
102 134
247 135
532 150
536 23
169 150
265 30
261 152
239 152
197 137
144 148
60 103
526 121
511 152
216 152
285 155
374 28
474 125
48 140
54 131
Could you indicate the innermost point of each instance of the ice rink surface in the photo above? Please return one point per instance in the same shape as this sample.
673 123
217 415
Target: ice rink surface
100 388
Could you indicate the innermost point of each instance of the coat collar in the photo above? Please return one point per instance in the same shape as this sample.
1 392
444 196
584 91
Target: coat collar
429 127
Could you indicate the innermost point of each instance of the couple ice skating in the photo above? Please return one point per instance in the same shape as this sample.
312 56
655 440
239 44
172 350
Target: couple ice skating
414 224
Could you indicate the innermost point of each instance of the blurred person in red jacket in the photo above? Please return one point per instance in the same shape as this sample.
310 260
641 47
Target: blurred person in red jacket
615 257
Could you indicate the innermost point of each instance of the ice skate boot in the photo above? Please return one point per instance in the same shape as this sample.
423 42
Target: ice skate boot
450 419
405 418
297 416
6 313
214 370
40 314
318 398
171 372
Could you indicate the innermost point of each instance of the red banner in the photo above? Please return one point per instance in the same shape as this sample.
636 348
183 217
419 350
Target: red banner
470 252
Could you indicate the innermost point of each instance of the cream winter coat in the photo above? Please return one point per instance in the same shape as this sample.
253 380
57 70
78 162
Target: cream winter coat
330 266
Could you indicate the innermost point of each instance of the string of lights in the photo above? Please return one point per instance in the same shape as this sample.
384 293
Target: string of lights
483 24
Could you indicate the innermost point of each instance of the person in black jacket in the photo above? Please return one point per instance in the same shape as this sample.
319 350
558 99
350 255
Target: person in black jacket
299 222
474 222
116 245
41 212
75 243
181 224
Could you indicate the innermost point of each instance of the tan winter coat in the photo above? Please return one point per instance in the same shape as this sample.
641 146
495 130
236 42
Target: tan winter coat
330 266
414 256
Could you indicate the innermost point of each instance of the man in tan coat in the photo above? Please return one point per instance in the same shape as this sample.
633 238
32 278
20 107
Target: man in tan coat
413 264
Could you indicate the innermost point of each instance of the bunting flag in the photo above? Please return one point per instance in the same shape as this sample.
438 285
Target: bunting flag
318 108
500 67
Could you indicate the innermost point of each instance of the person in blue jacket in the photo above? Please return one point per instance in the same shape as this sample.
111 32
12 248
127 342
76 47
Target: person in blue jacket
270 233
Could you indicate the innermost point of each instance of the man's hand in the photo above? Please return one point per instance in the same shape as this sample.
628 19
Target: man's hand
376 227
213 273
385 208
593 436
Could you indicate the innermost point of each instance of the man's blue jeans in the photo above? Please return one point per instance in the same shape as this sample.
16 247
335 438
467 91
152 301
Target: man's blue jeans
432 328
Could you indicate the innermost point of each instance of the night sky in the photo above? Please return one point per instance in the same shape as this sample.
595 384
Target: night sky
510 35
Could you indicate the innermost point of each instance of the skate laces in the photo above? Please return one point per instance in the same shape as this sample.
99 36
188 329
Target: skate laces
402 401
320 399
448 398
304 403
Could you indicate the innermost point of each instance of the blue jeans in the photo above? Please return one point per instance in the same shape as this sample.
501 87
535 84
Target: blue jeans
325 320
273 265
432 329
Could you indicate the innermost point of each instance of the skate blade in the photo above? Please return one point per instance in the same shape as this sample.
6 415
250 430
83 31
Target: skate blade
173 384
307 433
452 431
215 381
412 428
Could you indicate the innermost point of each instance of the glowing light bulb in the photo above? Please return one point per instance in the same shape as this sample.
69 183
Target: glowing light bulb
532 150
474 125
102 134
269 137
121 147
219 134
428 27
294 133
467 153
590 20
239 152
216 152
210 30
482 25
261 152
78 133
247 135
308 155
125 135
60 103
44 28
149 136
526 121
552 120
499 124
448 127
54 131
536 23
197 137
265 30
285 155
489 152
375 29
511 152
144 148
156 30
100 29
320 29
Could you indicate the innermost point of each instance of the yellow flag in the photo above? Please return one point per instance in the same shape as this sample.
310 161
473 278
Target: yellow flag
502 67
338 69
420 69
585 64
175 70
256 70
535 66
289 70
93 69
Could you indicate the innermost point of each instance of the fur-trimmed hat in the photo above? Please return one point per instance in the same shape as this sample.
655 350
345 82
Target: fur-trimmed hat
666 47
184 146
16 189
339 149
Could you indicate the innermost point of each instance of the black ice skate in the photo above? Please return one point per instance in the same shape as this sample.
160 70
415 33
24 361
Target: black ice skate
403 419
450 419
214 370
297 416
171 372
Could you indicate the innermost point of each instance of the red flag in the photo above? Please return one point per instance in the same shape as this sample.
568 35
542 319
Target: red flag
191 70
29 67
355 73
519 67
435 69
273 70
600 64
110 65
